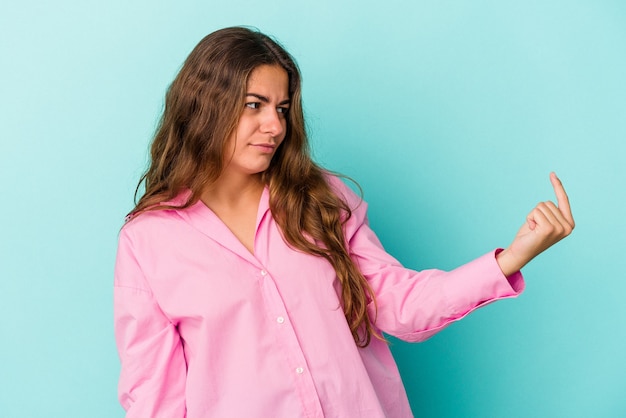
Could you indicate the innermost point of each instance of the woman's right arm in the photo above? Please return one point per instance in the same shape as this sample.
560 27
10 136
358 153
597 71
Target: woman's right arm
153 372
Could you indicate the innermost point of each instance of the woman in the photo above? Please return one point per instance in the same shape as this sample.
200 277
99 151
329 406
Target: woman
248 283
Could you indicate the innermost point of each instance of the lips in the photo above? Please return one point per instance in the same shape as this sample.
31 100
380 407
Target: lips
265 148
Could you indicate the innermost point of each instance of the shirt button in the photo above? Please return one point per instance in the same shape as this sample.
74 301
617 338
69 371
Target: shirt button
280 319
263 273
299 370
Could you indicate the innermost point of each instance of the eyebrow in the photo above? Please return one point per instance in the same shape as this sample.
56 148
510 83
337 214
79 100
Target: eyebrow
265 99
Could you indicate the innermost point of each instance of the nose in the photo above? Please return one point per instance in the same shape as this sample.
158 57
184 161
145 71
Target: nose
273 123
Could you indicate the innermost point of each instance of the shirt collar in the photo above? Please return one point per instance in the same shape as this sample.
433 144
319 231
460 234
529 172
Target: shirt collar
207 222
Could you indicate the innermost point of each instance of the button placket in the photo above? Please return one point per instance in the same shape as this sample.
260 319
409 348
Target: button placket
280 319
293 354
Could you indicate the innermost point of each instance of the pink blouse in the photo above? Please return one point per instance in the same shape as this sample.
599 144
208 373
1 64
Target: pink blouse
204 328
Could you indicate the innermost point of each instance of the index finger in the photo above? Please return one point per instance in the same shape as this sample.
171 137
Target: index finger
562 199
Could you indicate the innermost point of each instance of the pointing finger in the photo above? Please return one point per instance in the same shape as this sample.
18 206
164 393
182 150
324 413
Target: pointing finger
562 199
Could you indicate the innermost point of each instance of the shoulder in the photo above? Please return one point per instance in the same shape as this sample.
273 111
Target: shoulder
157 216
347 194
148 220
358 206
149 232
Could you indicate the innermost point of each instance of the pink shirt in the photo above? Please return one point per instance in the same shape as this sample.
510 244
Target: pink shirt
204 328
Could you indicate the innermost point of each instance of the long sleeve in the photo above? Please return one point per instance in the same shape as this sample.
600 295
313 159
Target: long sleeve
152 380
414 305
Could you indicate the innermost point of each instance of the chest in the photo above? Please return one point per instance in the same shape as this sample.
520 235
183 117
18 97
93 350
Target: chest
196 276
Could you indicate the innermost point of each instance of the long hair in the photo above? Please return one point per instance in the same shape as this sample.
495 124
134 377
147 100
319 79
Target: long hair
202 109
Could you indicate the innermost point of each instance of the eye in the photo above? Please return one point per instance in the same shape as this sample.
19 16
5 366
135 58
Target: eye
282 110
253 105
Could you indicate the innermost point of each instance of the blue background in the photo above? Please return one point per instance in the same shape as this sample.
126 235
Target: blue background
449 114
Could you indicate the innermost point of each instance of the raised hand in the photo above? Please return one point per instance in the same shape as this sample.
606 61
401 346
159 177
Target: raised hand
545 225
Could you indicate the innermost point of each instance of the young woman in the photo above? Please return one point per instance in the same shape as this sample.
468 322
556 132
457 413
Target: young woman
248 282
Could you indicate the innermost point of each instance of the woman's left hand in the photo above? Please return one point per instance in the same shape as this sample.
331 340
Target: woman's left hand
545 225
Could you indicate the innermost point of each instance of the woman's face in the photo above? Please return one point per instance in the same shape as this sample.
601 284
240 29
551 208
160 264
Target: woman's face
262 124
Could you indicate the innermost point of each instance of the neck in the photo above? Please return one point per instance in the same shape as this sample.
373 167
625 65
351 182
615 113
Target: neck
233 190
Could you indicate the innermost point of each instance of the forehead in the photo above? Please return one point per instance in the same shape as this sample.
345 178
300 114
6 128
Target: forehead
269 78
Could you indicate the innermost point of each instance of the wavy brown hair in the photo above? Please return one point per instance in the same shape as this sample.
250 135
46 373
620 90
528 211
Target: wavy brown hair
202 109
